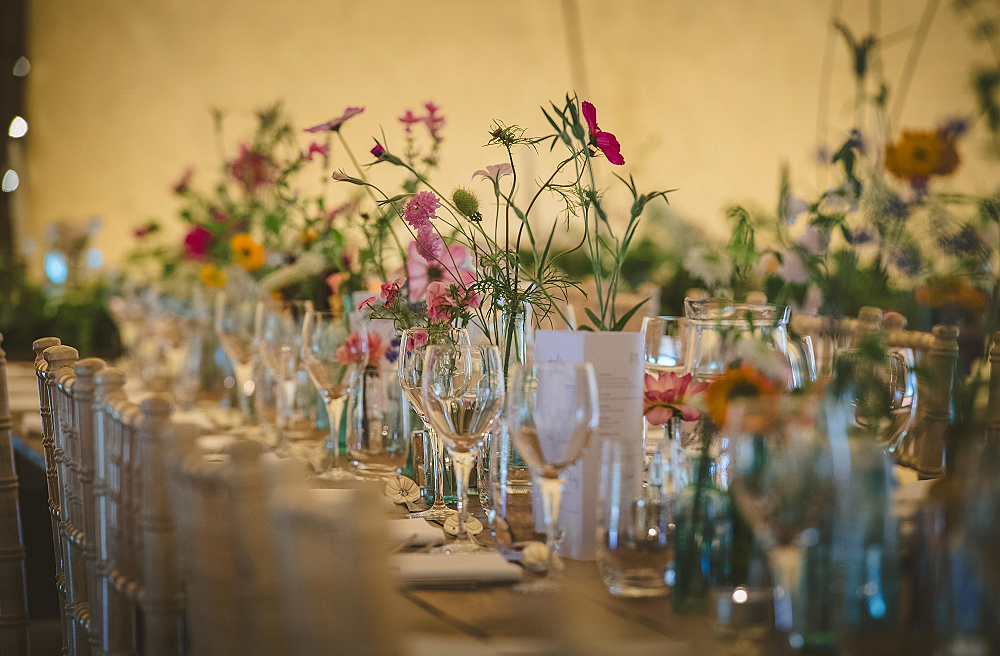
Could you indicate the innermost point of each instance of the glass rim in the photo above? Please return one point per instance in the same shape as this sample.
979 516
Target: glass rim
726 311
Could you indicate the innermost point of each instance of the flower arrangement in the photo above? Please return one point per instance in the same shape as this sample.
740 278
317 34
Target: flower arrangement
466 274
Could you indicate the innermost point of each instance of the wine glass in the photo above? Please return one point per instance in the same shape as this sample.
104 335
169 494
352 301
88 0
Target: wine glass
236 325
552 411
334 348
280 349
784 483
412 349
462 392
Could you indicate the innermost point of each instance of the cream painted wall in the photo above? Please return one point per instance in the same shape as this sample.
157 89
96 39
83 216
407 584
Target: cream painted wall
708 96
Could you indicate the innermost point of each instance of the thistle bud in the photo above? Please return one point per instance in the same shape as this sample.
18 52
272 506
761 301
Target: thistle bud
467 204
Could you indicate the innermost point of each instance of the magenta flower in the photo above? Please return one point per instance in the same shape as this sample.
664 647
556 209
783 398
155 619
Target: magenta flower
390 289
420 209
196 242
494 172
333 125
316 149
434 120
252 169
408 119
378 151
182 184
666 396
605 141
422 272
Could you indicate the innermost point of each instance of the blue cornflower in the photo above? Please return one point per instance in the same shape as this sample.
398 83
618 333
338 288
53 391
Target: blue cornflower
964 242
908 260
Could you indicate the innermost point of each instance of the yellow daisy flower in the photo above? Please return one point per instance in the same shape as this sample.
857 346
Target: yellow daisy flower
212 275
247 252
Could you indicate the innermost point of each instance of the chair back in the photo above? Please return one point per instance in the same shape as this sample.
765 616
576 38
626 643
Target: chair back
13 577
228 567
333 562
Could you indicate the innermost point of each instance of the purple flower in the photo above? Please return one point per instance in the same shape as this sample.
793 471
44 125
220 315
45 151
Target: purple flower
434 120
334 124
196 242
862 236
420 209
796 206
907 260
378 151
954 127
814 239
315 149
965 242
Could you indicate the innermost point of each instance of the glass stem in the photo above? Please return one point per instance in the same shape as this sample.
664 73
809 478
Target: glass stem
333 441
243 373
551 498
463 468
437 447
786 567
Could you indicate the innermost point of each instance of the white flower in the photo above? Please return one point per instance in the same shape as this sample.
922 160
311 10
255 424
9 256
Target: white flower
711 265
308 265
494 172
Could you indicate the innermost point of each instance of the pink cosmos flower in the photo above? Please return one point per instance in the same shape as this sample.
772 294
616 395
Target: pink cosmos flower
316 149
665 396
420 209
438 302
422 272
494 172
390 289
367 303
378 150
605 141
252 169
334 124
419 339
196 242
182 184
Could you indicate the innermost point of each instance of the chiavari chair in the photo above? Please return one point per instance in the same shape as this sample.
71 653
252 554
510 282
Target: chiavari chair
227 556
13 577
332 562
116 562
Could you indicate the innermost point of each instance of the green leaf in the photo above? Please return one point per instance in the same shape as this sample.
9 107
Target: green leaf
628 315
598 324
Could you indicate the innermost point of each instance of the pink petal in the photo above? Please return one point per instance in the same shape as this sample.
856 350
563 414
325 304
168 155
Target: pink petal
610 147
590 115
688 413
659 415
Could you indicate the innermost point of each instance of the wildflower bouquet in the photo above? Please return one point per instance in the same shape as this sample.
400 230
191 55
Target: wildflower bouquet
470 271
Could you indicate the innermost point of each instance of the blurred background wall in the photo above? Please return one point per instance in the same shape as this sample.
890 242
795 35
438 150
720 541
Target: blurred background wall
710 96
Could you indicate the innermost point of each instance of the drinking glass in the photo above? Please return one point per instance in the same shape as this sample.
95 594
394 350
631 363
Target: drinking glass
175 328
377 435
784 483
280 346
334 349
412 349
665 347
634 529
236 325
552 411
462 392
886 391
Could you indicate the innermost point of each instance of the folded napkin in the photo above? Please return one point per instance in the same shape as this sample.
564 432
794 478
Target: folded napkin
418 569
415 532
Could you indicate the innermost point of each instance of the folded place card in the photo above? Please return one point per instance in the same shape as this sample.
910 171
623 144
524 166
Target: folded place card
617 358
415 532
420 569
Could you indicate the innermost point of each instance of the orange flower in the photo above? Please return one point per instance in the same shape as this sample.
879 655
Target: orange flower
742 382
247 252
211 275
309 235
918 155
951 292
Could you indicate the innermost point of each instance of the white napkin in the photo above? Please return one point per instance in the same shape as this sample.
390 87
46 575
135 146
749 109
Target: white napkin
415 532
214 443
339 495
418 569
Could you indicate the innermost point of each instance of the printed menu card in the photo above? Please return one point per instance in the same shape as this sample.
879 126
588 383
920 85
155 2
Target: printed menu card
617 358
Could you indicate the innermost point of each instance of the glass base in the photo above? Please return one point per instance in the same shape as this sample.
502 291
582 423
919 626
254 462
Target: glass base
433 514
459 547
639 589
375 472
339 474
539 586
